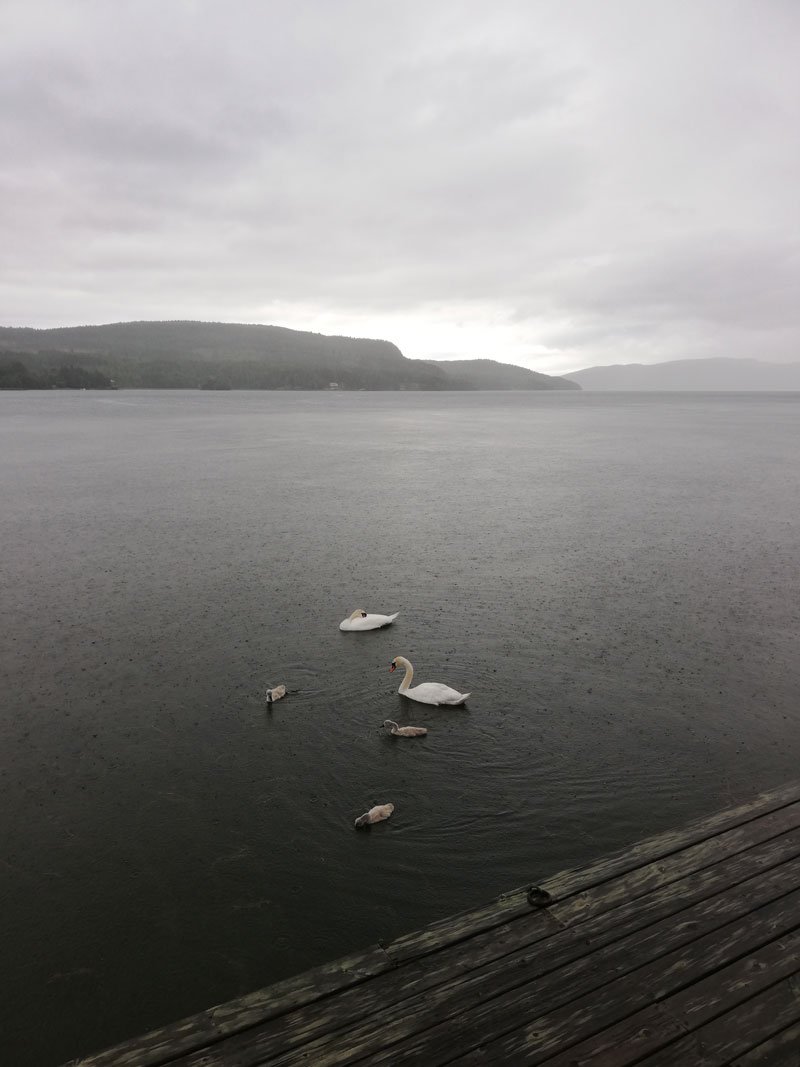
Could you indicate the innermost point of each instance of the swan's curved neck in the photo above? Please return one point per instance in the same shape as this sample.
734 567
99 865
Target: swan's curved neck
406 682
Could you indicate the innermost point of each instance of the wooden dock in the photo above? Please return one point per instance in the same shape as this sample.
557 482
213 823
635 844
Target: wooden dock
682 951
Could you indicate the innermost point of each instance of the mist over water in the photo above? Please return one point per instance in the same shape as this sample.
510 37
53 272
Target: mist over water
613 577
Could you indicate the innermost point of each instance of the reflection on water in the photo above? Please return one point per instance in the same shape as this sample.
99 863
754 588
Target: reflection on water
614 578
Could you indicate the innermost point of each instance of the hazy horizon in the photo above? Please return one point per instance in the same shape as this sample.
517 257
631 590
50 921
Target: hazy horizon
733 361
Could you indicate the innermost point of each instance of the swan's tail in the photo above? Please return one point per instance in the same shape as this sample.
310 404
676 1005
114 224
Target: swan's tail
464 697
391 618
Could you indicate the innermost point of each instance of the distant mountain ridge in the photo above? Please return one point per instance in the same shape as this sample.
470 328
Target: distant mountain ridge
488 374
187 355
688 375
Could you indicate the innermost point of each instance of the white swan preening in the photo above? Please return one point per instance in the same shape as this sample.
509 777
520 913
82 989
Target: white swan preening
276 693
427 692
360 620
376 814
404 731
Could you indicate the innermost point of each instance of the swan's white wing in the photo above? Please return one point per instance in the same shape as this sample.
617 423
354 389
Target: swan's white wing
434 693
421 693
371 622
456 698
380 620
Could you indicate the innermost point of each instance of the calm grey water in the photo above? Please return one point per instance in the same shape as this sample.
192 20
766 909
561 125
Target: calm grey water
614 577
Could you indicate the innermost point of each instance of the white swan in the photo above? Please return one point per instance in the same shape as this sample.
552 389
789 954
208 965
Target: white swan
359 620
376 814
276 693
405 731
428 692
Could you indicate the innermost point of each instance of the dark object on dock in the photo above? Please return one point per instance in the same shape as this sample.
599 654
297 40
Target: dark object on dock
681 951
538 897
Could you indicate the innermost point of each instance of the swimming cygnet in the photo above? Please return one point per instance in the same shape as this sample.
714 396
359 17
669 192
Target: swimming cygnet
376 814
276 693
405 731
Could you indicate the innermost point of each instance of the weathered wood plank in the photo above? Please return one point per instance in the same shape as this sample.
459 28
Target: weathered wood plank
284 996
744 1024
667 843
734 1033
759 988
780 1050
590 995
649 1028
379 1002
569 882
157 1046
457 1018
391 994
705 856
167 1042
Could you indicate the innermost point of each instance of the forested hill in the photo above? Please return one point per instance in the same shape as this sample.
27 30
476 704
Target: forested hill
186 355
190 355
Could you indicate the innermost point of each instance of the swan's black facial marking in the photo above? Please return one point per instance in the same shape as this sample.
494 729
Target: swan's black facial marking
392 666
363 614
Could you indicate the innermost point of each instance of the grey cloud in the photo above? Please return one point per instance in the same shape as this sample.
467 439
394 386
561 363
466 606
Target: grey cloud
602 177
718 282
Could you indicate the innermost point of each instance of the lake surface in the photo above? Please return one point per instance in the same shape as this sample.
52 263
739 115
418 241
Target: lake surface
615 578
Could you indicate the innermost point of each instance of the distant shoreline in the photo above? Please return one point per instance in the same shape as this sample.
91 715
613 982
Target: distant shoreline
223 356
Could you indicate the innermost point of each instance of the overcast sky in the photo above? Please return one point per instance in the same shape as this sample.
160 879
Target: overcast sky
552 184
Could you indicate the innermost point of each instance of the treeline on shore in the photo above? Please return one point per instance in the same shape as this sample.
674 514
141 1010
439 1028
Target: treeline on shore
207 355
15 375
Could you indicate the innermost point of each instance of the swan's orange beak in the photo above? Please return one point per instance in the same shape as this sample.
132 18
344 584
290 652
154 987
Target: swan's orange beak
392 666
